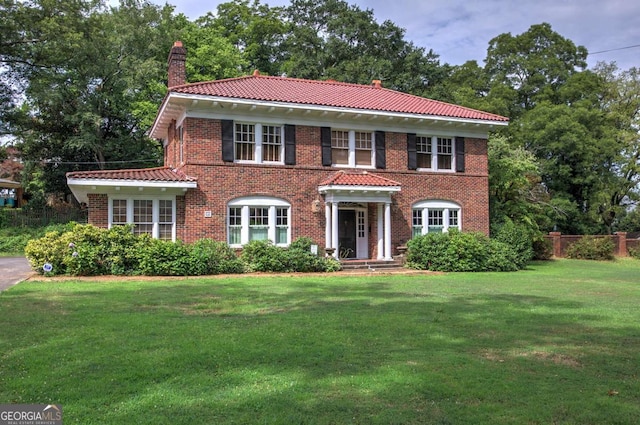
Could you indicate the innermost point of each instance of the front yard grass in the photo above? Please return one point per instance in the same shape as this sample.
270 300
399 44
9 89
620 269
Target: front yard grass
558 343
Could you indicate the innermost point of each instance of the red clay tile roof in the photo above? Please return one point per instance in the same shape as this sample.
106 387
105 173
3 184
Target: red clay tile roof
353 178
160 174
331 94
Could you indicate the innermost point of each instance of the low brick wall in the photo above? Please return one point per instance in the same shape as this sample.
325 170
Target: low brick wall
621 243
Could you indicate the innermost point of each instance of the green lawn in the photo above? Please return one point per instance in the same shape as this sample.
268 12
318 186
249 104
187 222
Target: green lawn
558 343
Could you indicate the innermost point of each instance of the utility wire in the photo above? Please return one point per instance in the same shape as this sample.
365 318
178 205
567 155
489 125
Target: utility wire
90 162
613 50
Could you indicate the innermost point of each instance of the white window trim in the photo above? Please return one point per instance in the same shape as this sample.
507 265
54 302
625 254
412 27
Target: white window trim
245 203
434 154
156 212
352 149
445 206
257 146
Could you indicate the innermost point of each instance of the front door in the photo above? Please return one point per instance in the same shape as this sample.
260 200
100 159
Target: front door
347 234
352 233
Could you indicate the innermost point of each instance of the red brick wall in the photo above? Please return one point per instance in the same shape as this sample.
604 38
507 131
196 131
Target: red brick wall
98 209
220 182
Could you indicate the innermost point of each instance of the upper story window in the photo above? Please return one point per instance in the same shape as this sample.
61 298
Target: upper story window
435 216
435 153
258 143
352 148
340 147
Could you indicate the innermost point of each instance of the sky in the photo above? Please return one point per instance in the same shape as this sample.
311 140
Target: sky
460 30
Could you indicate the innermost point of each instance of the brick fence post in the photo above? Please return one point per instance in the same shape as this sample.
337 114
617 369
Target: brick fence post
622 244
557 244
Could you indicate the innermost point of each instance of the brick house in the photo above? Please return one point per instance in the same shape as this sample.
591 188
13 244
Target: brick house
359 169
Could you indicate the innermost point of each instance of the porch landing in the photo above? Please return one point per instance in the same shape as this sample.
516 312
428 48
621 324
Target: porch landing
371 265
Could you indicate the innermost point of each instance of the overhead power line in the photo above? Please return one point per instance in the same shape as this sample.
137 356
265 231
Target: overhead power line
90 162
613 50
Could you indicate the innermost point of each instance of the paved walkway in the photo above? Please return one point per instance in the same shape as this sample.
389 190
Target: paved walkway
13 270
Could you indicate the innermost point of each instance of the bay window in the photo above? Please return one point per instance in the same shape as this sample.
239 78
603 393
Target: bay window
258 218
435 217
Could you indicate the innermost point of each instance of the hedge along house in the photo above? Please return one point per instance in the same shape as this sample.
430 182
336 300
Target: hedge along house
359 169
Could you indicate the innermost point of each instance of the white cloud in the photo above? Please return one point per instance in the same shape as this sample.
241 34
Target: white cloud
460 30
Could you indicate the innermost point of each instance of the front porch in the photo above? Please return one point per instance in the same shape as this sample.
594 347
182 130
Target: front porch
348 198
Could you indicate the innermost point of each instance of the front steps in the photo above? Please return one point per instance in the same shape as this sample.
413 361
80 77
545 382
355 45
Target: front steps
371 266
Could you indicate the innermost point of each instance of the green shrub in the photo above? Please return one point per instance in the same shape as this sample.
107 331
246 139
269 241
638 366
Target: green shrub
52 249
263 256
460 252
591 248
635 253
542 249
87 250
502 257
299 258
518 237
13 240
166 258
213 257
122 250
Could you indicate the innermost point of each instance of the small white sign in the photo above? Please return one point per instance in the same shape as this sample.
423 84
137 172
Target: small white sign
207 214
314 249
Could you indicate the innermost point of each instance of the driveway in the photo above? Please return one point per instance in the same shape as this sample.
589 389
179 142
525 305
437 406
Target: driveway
13 270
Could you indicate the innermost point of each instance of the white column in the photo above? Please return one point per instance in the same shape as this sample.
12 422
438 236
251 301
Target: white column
380 220
387 231
327 226
334 228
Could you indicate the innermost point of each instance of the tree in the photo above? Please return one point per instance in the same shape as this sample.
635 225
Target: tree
255 30
334 40
92 81
621 102
210 55
534 65
515 192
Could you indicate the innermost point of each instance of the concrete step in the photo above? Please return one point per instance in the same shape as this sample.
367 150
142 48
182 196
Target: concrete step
371 265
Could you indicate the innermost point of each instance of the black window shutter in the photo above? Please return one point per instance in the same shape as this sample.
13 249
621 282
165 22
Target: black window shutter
227 140
290 144
460 154
325 137
381 152
412 158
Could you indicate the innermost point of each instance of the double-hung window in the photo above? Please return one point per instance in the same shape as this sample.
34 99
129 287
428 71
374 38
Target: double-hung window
258 218
245 144
143 216
352 148
260 143
340 147
445 153
435 217
435 153
155 217
423 151
271 143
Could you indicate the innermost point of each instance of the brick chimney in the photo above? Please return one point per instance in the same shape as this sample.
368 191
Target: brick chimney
376 84
176 65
